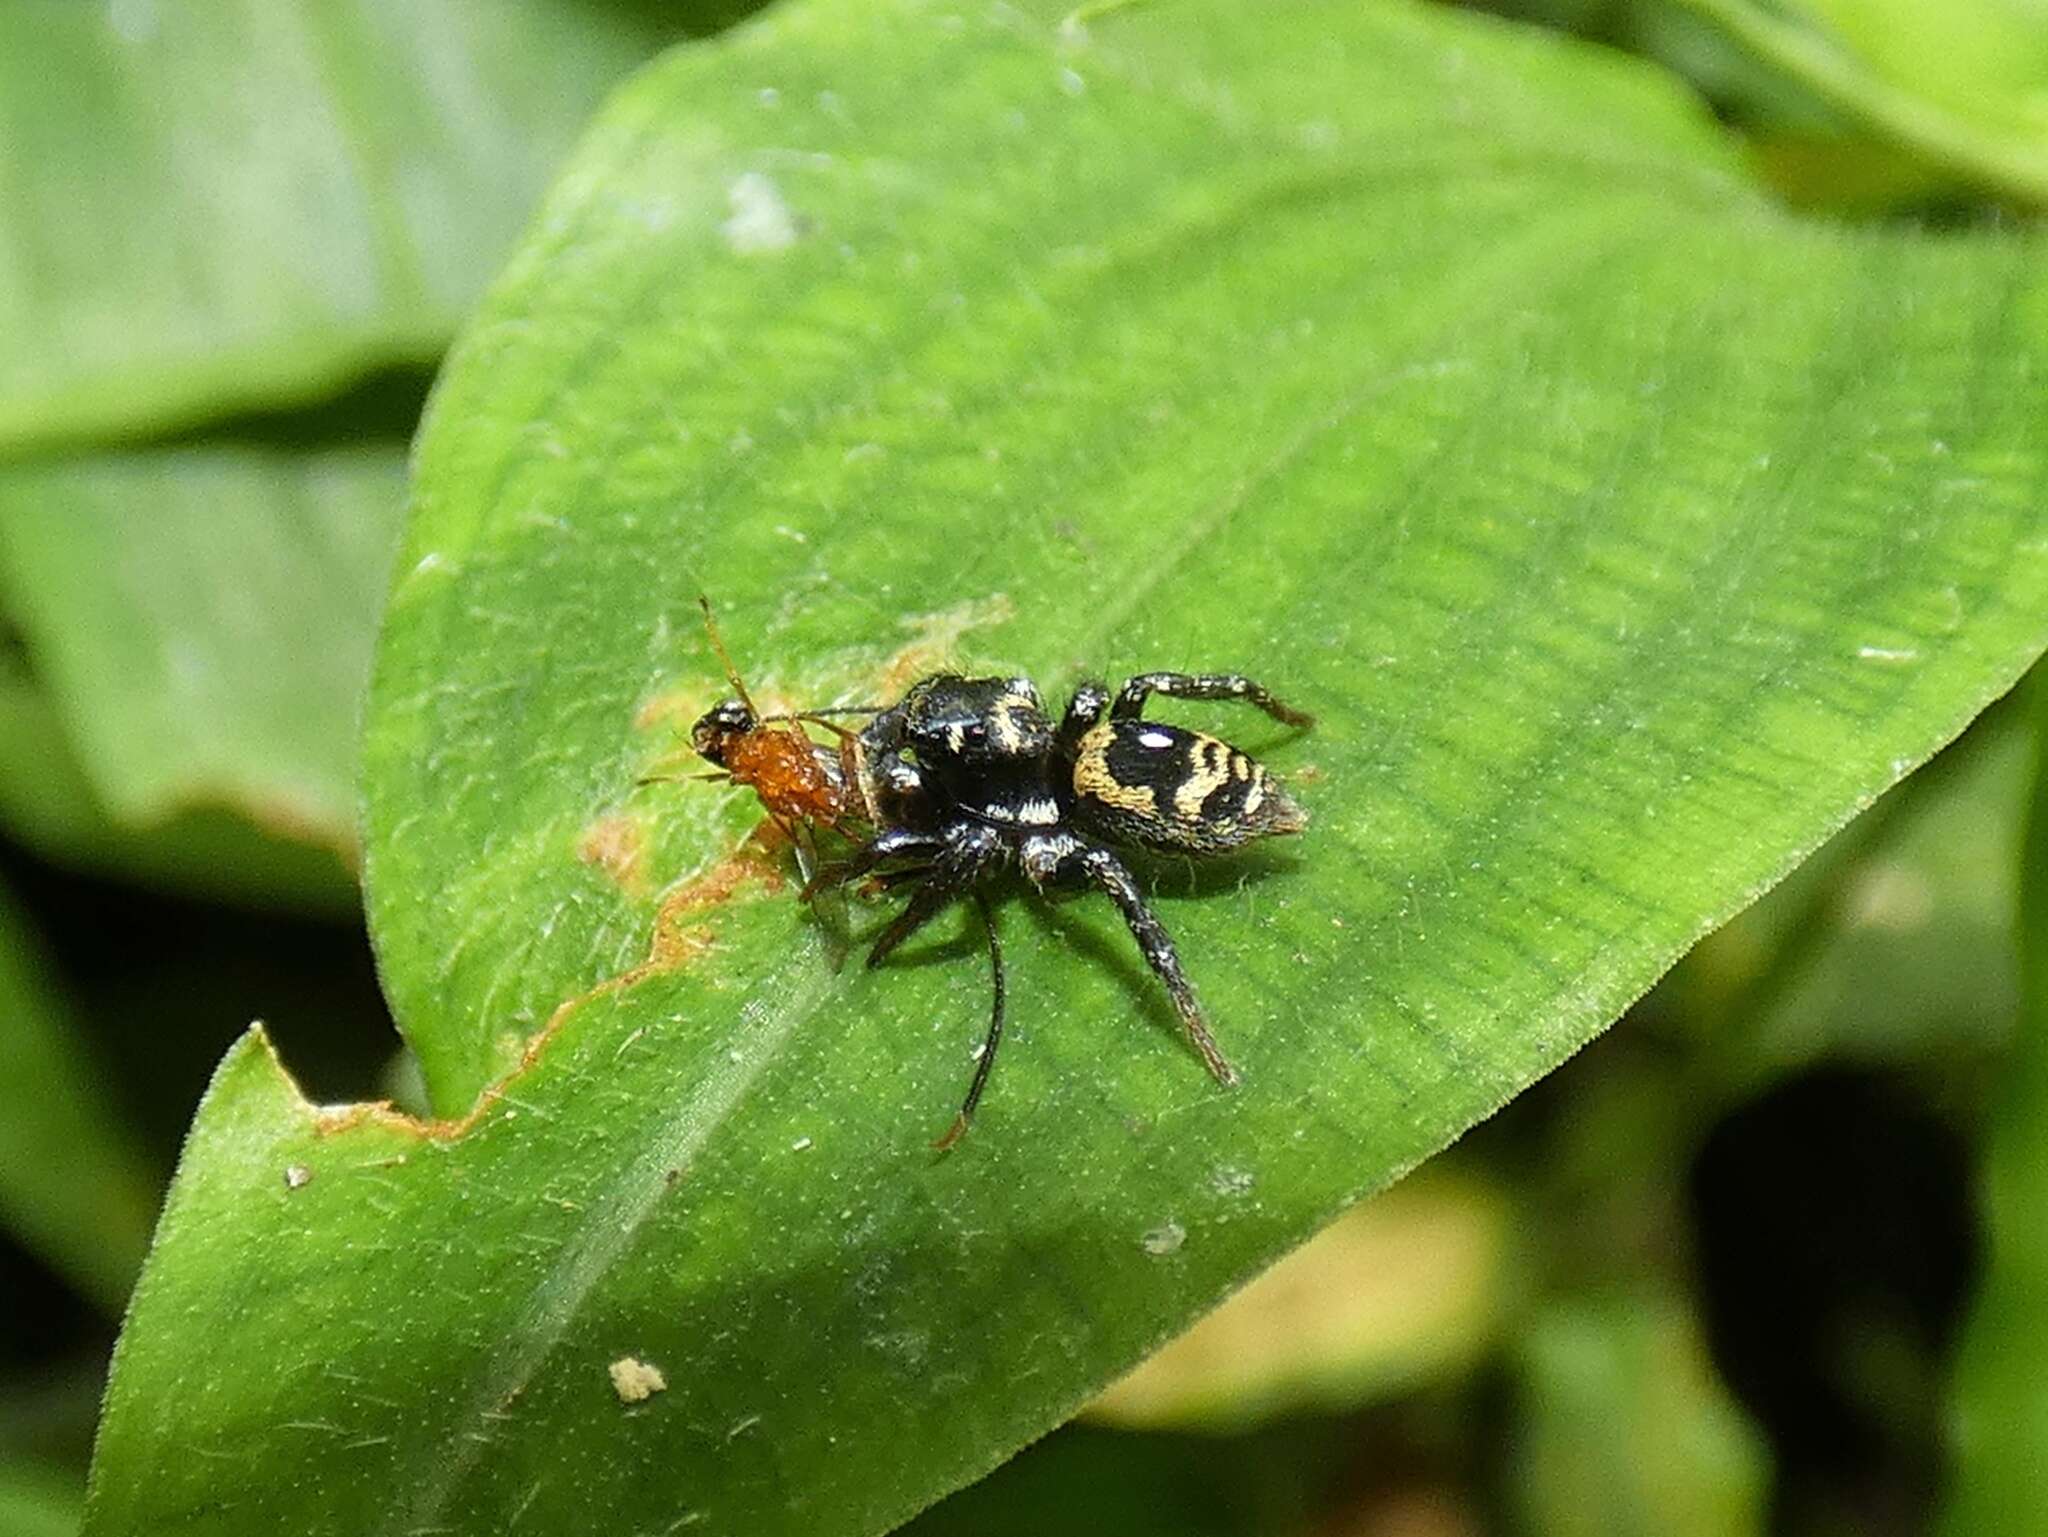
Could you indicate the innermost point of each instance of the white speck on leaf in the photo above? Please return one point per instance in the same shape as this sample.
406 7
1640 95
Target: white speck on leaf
297 1176
1229 1181
1164 1239
761 221
1887 654
802 1144
635 1380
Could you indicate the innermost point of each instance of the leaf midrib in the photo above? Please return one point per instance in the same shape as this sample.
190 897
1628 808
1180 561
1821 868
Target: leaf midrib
609 1224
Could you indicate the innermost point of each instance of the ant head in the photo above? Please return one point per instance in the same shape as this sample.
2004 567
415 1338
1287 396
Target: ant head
720 726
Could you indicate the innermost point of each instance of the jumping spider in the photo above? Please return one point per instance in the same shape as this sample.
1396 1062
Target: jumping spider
964 776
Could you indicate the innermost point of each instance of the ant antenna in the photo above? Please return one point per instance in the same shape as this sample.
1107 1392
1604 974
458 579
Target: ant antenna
817 718
732 673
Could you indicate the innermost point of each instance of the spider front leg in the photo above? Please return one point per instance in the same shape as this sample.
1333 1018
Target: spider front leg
887 846
1130 699
963 851
1108 875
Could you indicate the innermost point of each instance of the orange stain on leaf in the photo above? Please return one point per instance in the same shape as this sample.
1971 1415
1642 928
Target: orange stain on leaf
617 845
678 939
935 640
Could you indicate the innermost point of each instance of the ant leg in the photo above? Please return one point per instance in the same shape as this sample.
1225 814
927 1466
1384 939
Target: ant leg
1130 700
987 1058
806 846
1107 874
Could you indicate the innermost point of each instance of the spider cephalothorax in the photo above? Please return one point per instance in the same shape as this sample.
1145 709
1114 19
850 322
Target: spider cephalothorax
963 776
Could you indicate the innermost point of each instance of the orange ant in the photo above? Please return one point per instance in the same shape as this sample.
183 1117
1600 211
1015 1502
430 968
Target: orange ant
802 785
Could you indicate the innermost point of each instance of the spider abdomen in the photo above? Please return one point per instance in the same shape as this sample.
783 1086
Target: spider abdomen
1178 791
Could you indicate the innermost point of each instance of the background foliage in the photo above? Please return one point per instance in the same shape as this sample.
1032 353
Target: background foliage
1654 528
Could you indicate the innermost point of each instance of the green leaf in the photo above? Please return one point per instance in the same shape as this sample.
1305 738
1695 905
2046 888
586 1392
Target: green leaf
201 621
1626 1430
273 194
73 1187
1627 535
2001 1417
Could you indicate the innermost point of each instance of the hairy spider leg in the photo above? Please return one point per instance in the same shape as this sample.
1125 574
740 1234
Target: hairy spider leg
1108 875
994 1039
888 845
1130 699
963 855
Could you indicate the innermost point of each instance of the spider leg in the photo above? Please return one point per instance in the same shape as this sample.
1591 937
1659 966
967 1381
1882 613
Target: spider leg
1130 699
887 846
987 1058
925 904
966 850
1108 875
889 880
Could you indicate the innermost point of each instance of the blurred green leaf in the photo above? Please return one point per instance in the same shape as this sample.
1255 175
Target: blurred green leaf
1085 1482
200 619
1626 1430
72 1185
2001 1410
36 1501
1404 1288
1981 59
1963 84
219 206
1894 942
47 803
1627 534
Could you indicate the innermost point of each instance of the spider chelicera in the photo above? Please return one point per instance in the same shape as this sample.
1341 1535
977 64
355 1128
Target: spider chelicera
964 776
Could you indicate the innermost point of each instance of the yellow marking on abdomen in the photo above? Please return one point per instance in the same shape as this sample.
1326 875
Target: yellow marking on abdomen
1093 779
1208 771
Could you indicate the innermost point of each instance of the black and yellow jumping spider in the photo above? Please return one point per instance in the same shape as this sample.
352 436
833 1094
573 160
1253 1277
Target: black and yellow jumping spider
964 776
